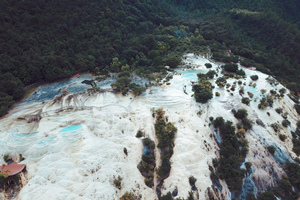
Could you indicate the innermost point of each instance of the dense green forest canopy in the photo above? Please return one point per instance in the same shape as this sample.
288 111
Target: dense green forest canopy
49 40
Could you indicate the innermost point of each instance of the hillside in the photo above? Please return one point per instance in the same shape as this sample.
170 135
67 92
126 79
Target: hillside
85 144
151 99
50 40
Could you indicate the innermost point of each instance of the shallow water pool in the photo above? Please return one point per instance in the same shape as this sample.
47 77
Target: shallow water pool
71 128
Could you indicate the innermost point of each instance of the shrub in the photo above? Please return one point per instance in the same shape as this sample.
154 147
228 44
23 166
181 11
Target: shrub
241 114
247 124
147 165
191 196
217 94
232 152
284 115
240 72
297 107
6 157
165 133
271 149
241 91
139 134
282 91
202 91
263 91
267 196
121 83
208 65
265 102
211 73
221 81
128 196
282 137
275 126
250 94
286 123
125 151
118 182
279 110
230 67
218 122
293 172
137 89
192 180
242 131
168 196
254 77
245 100
248 165
273 92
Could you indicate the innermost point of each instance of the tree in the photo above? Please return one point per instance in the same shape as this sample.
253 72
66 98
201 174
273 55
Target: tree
168 196
297 107
241 114
173 61
115 64
202 91
271 149
245 100
230 67
208 65
211 73
254 77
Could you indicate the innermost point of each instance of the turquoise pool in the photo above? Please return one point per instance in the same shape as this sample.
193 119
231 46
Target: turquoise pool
71 128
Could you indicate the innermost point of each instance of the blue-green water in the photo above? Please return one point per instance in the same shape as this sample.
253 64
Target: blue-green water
71 128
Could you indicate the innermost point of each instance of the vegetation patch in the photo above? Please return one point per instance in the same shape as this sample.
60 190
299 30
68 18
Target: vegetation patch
271 149
233 150
266 102
165 132
244 123
254 77
246 100
203 90
128 196
147 164
296 139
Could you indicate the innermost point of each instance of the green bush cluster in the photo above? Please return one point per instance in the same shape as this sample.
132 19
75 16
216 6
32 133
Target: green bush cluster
165 133
139 134
286 123
271 149
282 137
275 126
203 90
232 152
254 77
128 196
296 139
208 65
246 100
245 123
265 102
297 107
147 165
221 82
230 67
288 187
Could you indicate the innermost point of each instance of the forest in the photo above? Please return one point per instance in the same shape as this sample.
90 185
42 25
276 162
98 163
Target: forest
51 40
